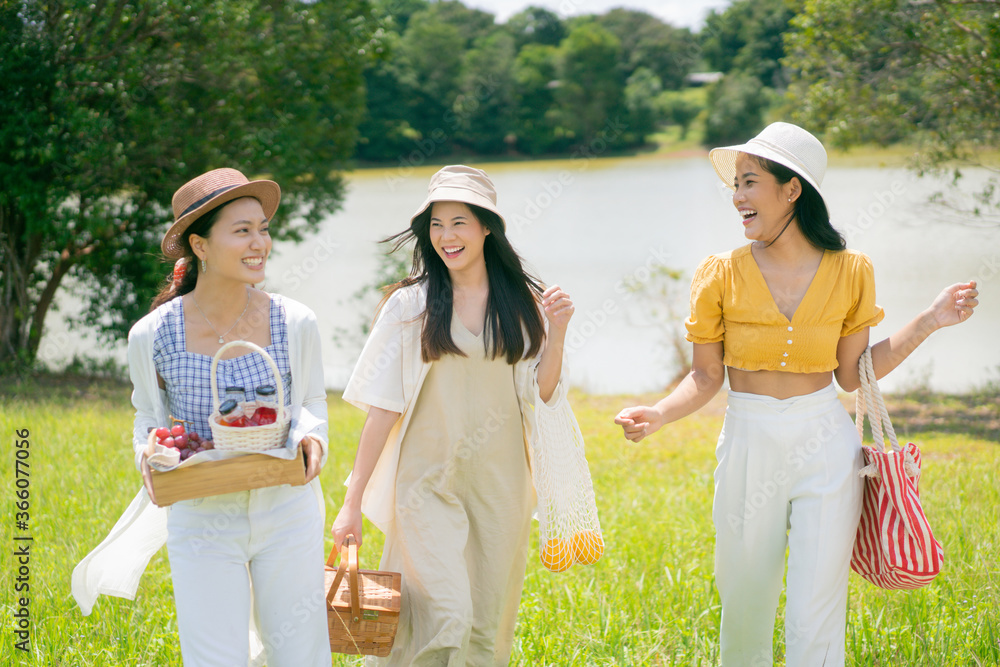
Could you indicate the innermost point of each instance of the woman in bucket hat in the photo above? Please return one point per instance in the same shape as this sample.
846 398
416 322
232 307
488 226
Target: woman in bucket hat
218 546
456 364
779 315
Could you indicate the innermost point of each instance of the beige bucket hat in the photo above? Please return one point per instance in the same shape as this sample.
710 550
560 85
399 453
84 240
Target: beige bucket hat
464 184
202 194
784 143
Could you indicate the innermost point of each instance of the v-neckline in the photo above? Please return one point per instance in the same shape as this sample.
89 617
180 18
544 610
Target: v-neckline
805 295
456 318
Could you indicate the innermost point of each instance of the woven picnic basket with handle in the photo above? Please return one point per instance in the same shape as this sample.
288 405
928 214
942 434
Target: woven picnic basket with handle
894 547
362 607
249 438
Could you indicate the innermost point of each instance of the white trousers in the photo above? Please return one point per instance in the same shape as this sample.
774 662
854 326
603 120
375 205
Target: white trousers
217 545
787 476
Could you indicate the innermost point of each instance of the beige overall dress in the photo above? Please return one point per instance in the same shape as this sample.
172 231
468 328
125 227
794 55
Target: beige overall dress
463 501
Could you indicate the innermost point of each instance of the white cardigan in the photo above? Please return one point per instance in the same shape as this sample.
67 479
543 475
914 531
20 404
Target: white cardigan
116 564
389 375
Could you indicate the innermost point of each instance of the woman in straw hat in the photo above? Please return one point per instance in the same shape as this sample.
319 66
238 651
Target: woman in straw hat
456 362
273 536
779 315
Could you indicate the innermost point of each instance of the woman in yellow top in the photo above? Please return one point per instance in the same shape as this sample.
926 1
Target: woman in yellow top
780 314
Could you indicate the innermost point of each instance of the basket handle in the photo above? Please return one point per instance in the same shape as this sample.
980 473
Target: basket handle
278 384
348 563
869 401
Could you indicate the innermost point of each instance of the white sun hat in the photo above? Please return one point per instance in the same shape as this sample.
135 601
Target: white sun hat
784 143
460 183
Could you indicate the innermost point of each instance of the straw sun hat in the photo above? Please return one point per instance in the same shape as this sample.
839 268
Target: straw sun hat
462 184
784 143
212 189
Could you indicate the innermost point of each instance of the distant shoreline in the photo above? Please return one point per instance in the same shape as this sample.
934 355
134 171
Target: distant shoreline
890 157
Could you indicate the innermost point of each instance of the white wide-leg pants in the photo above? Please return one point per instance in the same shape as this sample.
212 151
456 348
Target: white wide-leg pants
217 545
787 475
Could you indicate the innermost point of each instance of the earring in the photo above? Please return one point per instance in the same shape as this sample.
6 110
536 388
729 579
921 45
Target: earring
204 266
789 199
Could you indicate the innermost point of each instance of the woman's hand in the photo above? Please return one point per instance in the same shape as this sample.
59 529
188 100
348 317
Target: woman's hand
954 304
558 309
348 522
313 449
638 422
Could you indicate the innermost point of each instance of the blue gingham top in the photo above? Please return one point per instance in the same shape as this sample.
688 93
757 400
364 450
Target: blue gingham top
186 374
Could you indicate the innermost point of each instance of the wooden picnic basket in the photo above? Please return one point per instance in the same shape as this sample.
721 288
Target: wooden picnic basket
362 607
249 438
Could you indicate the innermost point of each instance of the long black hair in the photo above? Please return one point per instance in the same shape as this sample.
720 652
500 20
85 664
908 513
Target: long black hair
810 209
202 227
512 304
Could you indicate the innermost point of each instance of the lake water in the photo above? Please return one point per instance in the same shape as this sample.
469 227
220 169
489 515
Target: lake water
592 225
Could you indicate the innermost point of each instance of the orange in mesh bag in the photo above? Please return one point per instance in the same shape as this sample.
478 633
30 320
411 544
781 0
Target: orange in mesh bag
569 530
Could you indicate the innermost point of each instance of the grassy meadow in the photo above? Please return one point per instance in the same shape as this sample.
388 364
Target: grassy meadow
650 601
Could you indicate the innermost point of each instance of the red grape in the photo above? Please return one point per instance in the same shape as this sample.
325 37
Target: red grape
169 442
162 433
181 441
176 430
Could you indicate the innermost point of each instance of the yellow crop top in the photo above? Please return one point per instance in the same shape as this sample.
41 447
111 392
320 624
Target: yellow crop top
730 302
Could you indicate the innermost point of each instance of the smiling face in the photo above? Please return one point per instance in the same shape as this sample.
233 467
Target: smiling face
457 235
238 243
764 204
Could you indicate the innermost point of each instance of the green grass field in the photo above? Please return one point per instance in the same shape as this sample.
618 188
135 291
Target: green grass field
650 601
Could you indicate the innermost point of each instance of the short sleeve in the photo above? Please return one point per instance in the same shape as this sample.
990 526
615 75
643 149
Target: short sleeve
705 323
377 380
864 312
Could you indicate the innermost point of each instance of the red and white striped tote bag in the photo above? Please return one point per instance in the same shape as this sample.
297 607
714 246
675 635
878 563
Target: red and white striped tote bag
894 547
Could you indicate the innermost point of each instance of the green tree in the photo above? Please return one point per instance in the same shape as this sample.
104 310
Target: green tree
399 12
536 112
536 25
591 82
747 37
678 107
431 51
472 24
649 42
108 107
883 71
736 106
385 132
484 105
644 114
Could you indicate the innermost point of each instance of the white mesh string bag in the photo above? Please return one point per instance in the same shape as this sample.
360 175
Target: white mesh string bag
569 530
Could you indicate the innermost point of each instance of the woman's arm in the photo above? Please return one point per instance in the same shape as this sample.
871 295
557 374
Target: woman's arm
694 391
558 310
146 393
953 305
309 420
373 436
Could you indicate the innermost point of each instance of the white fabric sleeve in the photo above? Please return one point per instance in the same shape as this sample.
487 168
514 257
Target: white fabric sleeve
147 397
309 418
116 564
377 380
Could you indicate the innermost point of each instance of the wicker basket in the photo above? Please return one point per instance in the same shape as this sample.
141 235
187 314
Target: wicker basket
363 607
249 438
